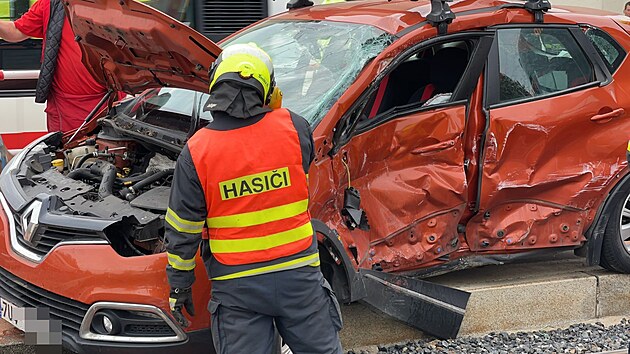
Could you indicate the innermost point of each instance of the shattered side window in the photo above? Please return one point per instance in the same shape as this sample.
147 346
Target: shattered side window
540 61
610 51
315 61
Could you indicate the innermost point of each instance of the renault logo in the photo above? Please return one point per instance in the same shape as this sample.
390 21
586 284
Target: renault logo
30 221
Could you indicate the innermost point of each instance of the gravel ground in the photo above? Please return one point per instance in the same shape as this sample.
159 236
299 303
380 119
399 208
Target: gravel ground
577 339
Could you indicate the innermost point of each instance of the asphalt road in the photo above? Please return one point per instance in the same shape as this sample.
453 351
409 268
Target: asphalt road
24 349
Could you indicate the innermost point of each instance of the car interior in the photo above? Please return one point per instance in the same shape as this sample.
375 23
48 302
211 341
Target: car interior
548 61
425 76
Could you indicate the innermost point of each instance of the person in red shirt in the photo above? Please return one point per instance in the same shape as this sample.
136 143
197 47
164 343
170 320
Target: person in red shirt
73 92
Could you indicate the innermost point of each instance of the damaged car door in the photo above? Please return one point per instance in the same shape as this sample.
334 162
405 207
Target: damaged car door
540 183
401 168
400 150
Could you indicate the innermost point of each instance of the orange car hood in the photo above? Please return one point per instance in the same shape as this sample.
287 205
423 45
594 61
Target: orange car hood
130 47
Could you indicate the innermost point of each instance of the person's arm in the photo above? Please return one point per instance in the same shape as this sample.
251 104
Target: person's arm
10 33
31 24
305 134
185 218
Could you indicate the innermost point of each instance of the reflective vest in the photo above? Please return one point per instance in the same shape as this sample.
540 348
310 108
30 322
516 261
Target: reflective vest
255 189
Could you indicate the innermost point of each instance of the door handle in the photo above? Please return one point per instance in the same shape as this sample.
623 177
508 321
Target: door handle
435 147
610 115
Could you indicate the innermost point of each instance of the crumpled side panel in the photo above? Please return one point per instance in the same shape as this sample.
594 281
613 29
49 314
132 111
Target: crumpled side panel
410 174
423 241
547 167
522 225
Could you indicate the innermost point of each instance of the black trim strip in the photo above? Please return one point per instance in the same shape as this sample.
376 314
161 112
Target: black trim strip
493 61
546 96
16 93
602 74
476 64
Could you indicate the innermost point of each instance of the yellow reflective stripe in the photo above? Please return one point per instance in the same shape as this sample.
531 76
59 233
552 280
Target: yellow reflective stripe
171 303
259 217
292 264
179 263
261 243
628 146
183 225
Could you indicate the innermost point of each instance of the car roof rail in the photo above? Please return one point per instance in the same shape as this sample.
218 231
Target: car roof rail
538 8
441 15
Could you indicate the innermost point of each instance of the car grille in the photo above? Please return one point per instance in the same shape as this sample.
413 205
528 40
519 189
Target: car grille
49 238
149 330
21 293
218 19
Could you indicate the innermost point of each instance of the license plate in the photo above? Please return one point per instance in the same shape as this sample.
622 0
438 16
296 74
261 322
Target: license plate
9 312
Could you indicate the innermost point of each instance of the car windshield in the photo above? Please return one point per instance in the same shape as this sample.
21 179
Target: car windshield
315 61
169 108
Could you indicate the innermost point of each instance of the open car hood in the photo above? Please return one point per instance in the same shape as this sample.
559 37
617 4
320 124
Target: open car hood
130 47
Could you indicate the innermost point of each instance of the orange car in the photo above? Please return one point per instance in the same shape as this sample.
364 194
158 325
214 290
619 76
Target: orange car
445 138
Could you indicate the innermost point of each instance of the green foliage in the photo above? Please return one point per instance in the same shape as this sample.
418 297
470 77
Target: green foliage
5 9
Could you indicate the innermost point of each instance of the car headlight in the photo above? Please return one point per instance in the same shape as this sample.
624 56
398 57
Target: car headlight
13 163
8 185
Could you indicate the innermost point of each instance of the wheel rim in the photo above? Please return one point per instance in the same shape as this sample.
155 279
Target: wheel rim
624 224
286 350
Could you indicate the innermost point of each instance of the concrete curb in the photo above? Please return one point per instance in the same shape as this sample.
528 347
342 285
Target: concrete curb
517 297
539 295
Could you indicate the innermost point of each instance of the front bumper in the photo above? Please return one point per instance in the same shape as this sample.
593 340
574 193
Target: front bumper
199 341
72 277
71 313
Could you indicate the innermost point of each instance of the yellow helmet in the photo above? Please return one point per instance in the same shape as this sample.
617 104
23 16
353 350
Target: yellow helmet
246 64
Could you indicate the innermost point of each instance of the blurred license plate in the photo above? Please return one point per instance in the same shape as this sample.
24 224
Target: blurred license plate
9 311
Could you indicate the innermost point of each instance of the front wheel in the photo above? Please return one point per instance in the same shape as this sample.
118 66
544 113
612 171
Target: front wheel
279 346
616 246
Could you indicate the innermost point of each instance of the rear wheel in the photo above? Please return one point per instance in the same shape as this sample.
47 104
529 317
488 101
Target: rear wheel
616 246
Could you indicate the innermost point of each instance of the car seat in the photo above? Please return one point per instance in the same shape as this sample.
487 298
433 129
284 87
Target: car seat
575 75
447 67
396 87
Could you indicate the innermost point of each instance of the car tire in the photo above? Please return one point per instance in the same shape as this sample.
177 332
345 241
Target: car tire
616 252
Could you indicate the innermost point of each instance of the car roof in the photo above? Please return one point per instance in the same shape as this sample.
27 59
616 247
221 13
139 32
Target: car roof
397 15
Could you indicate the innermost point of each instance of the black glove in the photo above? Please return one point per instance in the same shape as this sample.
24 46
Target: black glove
178 299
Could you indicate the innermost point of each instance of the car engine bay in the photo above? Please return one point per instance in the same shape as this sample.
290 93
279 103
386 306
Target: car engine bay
107 175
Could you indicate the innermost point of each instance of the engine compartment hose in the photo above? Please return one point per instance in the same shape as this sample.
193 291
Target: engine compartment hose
129 193
95 154
85 158
134 179
83 173
108 171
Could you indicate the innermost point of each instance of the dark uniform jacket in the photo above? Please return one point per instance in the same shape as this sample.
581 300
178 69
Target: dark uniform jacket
196 200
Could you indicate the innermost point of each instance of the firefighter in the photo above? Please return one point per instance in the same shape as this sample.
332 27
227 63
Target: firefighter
244 176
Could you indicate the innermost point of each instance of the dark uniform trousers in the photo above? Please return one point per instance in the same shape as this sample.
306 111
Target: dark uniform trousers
261 254
300 301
